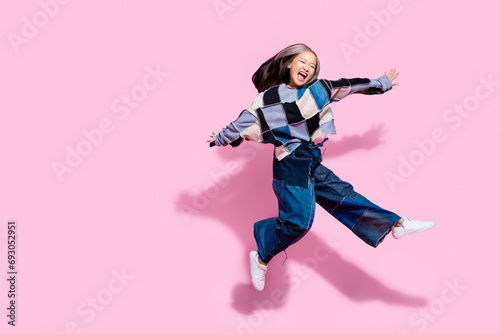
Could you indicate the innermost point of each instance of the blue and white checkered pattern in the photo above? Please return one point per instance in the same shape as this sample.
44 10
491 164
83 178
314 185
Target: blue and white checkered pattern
285 116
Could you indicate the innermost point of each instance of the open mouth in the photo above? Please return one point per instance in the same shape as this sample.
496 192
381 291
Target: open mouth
302 76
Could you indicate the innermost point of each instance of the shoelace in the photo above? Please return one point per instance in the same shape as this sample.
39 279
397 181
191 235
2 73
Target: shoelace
262 276
263 270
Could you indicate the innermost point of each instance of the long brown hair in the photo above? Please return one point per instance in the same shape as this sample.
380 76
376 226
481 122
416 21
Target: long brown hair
275 70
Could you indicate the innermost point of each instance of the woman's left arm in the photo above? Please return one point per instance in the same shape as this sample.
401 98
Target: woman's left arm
393 74
344 87
379 85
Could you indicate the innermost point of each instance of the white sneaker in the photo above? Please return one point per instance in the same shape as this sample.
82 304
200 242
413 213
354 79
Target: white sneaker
409 227
257 271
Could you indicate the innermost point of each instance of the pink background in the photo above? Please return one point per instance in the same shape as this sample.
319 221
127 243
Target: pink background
151 230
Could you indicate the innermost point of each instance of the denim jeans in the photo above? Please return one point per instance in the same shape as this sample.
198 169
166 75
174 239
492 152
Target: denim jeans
300 180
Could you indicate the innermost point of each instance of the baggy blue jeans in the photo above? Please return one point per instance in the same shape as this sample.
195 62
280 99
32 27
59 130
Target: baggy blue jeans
300 180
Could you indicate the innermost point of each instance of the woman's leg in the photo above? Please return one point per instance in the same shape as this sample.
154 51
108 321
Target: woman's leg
294 188
368 221
296 213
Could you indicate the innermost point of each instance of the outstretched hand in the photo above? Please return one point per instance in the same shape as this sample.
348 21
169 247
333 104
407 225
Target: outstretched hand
211 137
393 74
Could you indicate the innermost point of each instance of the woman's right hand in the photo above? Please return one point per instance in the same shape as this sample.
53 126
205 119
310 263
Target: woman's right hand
211 137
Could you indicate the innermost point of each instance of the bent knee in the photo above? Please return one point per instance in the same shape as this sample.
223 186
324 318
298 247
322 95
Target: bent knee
292 231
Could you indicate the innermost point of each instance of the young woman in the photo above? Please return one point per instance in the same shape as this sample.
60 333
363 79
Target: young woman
292 110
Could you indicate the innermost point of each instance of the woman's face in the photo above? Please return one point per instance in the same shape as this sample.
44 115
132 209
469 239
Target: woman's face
302 69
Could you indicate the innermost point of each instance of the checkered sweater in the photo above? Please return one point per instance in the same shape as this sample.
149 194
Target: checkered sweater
285 116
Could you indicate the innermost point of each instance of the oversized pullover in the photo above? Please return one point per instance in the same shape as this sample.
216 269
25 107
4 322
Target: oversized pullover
286 117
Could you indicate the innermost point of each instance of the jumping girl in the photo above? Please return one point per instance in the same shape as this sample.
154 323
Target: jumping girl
292 110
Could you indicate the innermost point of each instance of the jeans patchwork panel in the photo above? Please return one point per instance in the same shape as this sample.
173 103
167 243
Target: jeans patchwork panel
348 212
292 171
372 228
288 234
331 188
266 239
296 204
278 186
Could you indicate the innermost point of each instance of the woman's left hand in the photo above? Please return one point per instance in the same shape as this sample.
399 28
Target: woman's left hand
393 74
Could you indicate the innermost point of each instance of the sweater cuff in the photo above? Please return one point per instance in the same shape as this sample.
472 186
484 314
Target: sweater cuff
385 83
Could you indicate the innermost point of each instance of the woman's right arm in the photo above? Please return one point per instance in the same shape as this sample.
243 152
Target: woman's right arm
246 126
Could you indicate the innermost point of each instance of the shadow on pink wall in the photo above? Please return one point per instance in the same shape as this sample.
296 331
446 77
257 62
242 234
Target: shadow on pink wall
246 197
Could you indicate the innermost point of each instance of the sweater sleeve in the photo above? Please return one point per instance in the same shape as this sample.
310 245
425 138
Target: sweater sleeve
344 87
246 126
378 86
